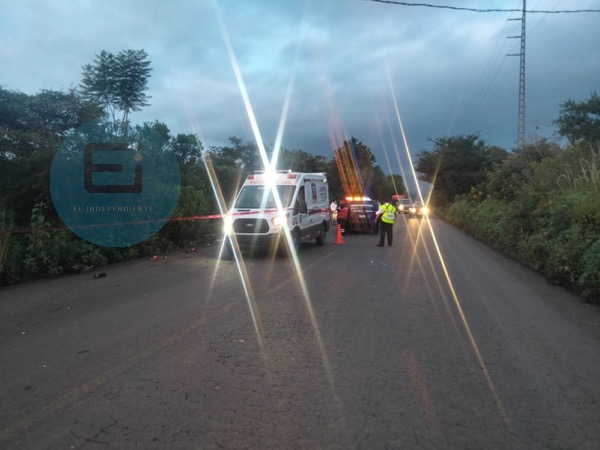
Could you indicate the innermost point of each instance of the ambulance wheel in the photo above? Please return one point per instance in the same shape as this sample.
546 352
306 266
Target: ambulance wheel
322 237
229 252
296 240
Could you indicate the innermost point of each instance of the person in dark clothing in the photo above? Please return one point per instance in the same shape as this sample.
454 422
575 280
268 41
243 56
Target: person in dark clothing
342 217
375 217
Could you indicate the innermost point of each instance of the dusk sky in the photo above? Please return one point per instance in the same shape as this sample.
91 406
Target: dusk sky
346 67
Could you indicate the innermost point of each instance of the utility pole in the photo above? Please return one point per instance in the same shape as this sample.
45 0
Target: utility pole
521 123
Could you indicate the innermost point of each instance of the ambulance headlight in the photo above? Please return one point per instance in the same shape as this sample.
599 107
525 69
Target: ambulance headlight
227 225
278 221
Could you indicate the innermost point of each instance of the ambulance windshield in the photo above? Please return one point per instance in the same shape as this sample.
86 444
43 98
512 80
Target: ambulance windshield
256 197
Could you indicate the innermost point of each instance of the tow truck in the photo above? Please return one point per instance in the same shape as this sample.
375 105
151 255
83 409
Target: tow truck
361 216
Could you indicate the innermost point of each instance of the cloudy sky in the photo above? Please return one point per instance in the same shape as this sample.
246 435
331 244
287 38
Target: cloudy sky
332 69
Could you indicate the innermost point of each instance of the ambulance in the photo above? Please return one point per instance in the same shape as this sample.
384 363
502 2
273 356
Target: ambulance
257 222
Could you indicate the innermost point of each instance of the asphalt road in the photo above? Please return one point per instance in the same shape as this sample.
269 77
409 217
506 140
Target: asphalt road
360 347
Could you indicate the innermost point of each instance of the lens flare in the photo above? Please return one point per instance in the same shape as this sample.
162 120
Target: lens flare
269 167
440 258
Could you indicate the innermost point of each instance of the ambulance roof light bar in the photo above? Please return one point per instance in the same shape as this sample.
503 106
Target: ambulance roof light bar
289 173
273 171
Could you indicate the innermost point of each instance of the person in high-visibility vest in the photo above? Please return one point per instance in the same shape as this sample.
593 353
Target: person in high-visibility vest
386 216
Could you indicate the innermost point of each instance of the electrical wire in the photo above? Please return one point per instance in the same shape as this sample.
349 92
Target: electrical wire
478 10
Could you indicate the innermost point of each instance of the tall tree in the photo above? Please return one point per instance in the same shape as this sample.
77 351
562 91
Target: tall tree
580 121
301 161
456 165
243 155
118 83
231 164
506 180
133 69
31 129
99 82
187 148
388 185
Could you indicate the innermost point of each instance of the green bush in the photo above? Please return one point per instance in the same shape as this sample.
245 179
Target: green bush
77 255
550 222
6 226
489 220
185 228
13 271
533 251
589 282
42 257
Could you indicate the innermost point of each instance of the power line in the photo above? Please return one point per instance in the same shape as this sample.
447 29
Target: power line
459 8
521 54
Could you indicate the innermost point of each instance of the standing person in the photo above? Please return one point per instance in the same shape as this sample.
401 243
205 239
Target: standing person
342 217
376 217
334 212
387 211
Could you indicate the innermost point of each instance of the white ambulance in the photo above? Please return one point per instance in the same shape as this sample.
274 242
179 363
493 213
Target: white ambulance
257 222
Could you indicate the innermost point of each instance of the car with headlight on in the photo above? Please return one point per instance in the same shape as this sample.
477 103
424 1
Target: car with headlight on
403 205
418 210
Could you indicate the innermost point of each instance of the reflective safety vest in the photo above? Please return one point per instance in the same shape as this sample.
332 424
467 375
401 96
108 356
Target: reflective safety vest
389 213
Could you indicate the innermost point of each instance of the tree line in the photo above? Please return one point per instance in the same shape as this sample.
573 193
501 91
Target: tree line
539 204
33 240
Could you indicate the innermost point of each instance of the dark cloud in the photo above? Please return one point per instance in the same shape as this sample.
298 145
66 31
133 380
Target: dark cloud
351 65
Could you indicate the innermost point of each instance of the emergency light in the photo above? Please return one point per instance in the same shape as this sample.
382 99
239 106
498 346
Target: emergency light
290 174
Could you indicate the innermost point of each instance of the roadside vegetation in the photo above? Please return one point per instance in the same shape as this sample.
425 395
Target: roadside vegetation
539 204
35 243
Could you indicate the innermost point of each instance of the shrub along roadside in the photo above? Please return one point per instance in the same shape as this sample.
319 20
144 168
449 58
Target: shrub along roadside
551 224
48 250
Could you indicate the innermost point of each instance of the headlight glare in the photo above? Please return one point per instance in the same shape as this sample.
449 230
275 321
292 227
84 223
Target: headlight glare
227 225
279 220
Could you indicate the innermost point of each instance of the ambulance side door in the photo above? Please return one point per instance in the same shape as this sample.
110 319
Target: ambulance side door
312 200
301 207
